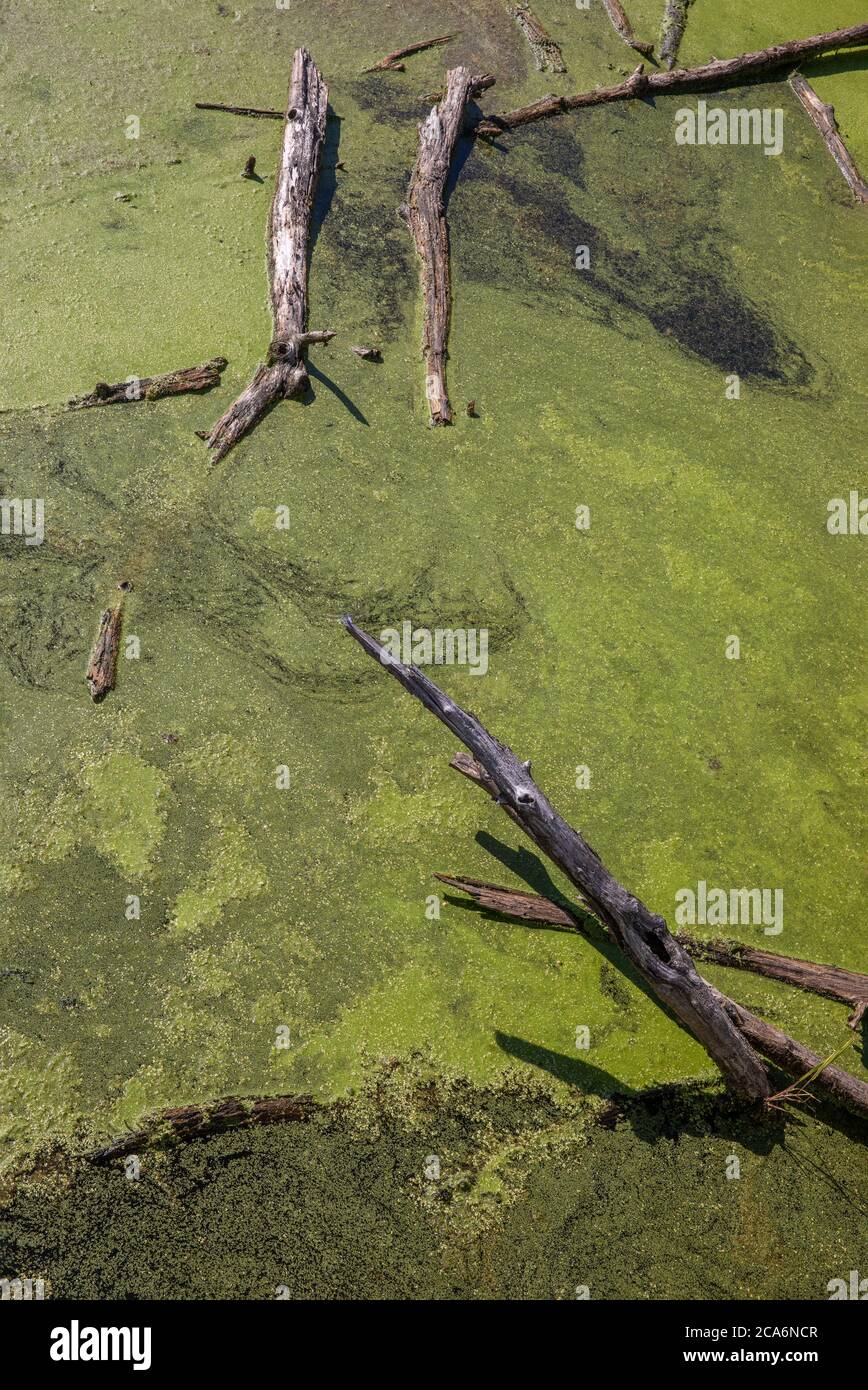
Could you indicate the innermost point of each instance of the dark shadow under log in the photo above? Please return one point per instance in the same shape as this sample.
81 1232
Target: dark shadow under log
285 373
151 388
425 214
823 117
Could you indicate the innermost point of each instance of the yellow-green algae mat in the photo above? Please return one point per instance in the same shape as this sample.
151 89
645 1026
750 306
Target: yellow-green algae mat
290 907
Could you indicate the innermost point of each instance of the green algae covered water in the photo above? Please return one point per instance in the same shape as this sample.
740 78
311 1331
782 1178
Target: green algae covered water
219 880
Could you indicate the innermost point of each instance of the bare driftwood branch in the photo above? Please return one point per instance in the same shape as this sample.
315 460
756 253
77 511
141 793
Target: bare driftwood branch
823 116
101 668
392 61
642 935
715 75
674 22
624 28
267 112
546 54
425 215
285 373
198 1121
151 388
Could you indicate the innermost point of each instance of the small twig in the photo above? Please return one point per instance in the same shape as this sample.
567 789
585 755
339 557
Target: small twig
798 1089
267 112
392 61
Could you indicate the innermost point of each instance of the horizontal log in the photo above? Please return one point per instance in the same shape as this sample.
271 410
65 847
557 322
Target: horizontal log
268 113
151 388
199 1121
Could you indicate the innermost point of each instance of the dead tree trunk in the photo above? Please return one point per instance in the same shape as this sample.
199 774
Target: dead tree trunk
285 373
623 27
823 116
715 75
546 54
425 215
151 388
643 937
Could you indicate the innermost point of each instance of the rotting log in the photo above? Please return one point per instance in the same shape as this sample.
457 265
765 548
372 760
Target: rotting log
102 666
267 113
425 214
642 936
285 374
151 388
674 23
716 75
623 27
546 54
823 117
392 61
831 981
199 1121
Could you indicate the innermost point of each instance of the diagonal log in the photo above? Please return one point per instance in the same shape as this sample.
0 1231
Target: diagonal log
623 27
392 61
713 76
546 54
198 1121
642 936
823 116
425 214
285 373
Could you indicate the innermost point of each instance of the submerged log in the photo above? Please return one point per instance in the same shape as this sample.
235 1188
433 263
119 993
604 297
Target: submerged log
642 936
674 23
285 373
101 668
425 214
546 54
823 116
624 28
715 75
198 1121
151 388
392 61
267 113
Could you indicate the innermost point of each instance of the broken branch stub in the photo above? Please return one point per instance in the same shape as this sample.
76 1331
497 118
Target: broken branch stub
642 935
285 374
425 215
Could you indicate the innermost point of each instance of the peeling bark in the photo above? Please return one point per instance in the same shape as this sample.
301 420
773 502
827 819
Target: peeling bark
823 116
392 61
198 1121
642 936
623 27
425 215
285 373
546 54
151 388
101 668
716 75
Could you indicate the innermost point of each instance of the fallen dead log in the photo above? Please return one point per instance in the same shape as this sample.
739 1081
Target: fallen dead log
642 936
199 1121
392 61
285 373
823 116
546 54
831 981
715 75
425 214
151 388
623 27
674 23
102 666
267 113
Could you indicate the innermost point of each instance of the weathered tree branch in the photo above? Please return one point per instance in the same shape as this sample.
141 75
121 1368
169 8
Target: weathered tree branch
623 27
546 54
392 61
823 116
285 373
425 214
101 667
674 22
198 1121
151 388
715 75
267 112
642 935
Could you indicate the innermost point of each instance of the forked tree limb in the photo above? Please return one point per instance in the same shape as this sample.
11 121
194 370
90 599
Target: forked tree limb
642 936
623 27
392 61
674 23
546 54
425 214
831 981
285 373
151 388
715 75
823 116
